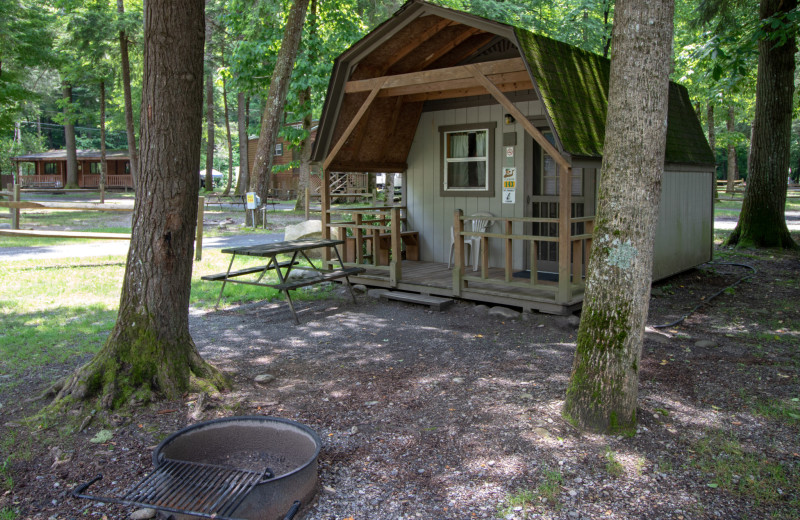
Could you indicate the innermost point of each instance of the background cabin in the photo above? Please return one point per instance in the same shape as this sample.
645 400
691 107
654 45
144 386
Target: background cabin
49 169
484 118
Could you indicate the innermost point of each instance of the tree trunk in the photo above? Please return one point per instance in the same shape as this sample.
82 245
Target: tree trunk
133 152
762 221
731 173
69 138
242 183
305 154
603 386
150 351
278 87
712 143
103 162
228 135
209 180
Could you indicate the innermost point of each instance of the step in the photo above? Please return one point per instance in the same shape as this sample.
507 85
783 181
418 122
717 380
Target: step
434 302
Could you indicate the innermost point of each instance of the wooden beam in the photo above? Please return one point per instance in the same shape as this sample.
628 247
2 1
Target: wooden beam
519 116
372 167
520 78
356 119
460 54
430 76
464 92
564 293
415 43
444 49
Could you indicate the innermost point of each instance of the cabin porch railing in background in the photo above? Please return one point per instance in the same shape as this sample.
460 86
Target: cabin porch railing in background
580 246
366 231
112 181
40 181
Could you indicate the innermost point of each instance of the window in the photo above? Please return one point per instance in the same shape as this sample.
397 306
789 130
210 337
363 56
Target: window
467 159
50 168
278 148
94 168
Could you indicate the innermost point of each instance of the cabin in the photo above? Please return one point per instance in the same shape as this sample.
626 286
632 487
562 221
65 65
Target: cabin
498 134
285 177
49 169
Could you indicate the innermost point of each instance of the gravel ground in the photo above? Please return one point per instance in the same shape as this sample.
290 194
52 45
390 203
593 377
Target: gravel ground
456 414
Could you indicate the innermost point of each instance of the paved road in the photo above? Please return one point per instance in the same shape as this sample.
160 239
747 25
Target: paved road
120 247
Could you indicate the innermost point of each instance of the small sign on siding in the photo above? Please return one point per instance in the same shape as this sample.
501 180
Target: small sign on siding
509 185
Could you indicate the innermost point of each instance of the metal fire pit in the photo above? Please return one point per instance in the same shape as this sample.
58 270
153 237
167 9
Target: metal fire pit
248 468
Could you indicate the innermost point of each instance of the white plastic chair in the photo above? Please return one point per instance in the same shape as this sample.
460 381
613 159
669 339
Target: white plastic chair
479 225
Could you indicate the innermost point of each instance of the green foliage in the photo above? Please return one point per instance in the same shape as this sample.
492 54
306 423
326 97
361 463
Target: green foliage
519 504
550 487
613 466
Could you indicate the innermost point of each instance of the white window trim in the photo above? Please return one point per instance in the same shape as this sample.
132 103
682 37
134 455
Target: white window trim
489 189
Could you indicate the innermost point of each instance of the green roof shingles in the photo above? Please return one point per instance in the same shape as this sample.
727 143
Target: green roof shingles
573 85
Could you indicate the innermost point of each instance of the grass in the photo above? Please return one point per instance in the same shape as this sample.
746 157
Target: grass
550 487
731 467
613 466
785 410
7 513
519 503
57 310
522 501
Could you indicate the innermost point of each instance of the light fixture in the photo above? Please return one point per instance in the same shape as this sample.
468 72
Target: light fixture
509 119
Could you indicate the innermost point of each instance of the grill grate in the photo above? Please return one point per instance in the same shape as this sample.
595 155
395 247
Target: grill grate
194 488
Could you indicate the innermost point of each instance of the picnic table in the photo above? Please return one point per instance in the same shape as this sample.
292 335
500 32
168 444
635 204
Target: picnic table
284 268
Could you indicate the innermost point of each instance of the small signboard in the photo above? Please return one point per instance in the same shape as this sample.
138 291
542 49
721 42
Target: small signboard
252 200
509 185
509 151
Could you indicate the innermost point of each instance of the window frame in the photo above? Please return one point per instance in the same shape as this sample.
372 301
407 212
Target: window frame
278 149
489 191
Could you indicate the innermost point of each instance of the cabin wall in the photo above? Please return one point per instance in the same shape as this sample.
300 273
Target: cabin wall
432 214
685 232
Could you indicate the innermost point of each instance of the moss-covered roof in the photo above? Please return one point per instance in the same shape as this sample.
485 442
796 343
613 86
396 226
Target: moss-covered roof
573 85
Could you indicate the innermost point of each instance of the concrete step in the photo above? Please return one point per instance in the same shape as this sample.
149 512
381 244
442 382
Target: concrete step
434 302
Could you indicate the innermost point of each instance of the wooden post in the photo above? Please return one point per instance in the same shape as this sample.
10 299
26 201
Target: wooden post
198 241
509 251
307 205
534 267
458 253
397 258
357 221
15 211
564 234
325 201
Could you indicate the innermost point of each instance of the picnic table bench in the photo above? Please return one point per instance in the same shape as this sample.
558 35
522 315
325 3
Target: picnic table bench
284 268
214 198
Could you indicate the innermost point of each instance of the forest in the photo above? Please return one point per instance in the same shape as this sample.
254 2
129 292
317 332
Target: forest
58 60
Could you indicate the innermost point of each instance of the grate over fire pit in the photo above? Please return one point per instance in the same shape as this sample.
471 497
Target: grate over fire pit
233 468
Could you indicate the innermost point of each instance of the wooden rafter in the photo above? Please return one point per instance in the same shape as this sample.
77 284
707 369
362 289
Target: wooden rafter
444 49
464 51
415 43
520 80
356 118
519 116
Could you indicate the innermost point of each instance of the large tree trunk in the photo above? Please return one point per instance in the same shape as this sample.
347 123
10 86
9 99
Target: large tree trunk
731 127
228 135
133 152
103 162
243 182
762 222
712 143
278 87
603 386
69 138
150 350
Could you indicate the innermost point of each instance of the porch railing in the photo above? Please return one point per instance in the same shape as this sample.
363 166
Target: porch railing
580 246
40 181
366 231
112 181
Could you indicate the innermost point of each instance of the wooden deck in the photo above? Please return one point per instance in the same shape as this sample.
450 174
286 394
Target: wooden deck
437 279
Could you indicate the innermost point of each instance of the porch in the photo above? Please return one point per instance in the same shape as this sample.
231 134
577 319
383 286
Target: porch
512 285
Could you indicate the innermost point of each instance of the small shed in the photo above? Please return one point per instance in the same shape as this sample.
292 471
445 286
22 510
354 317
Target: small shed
498 133
49 169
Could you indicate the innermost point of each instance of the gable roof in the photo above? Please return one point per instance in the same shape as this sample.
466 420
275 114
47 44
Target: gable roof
572 84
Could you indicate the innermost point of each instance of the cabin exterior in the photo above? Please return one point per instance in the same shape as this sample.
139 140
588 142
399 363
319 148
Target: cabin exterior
49 169
284 179
484 118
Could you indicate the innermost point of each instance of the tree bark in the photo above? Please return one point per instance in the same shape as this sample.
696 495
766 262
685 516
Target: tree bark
278 87
103 162
69 138
712 143
602 391
730 125
150 351
228 135
305 154
242 183
762 221
133 152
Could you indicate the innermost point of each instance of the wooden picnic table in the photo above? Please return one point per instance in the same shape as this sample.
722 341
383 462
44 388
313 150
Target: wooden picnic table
284 268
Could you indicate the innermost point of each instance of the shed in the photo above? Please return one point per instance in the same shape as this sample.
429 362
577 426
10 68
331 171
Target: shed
485 118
